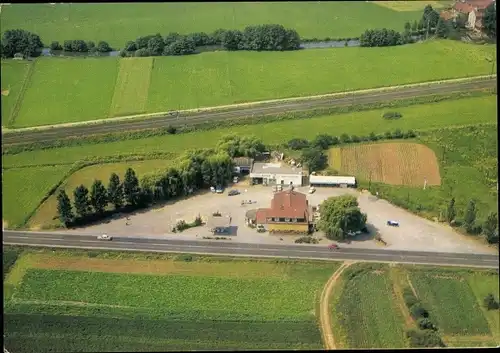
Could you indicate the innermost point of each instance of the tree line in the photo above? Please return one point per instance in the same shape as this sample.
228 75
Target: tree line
19 41
197 169
81 46
272 37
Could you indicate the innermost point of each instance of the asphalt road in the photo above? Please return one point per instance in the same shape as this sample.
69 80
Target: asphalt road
264 109
218 247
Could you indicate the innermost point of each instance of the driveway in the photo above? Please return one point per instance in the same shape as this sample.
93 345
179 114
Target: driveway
414 233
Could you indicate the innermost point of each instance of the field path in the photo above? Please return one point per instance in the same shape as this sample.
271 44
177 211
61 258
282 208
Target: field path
325 323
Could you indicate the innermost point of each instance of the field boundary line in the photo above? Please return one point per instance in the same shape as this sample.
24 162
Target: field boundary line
223 108
22 91
399 299
325 324
411 285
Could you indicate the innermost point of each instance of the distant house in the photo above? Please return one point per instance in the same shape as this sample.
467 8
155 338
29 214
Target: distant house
289 213
474 9
341 181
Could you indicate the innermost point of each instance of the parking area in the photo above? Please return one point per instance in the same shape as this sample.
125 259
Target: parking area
414 233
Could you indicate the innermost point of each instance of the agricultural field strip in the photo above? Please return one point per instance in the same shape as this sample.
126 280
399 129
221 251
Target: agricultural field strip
298 103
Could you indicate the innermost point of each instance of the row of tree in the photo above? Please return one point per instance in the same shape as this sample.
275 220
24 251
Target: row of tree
489 228
198 169
81 46
263 37
19 41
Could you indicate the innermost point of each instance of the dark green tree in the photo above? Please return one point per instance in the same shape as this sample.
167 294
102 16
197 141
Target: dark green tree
407 27
450 211
103 47
470 216
490 303
98 196
156 45
341 217
314 159
490 20
64 208
55 45
414 27
490 228
297 144
324 141
442 28
131 187
20 41
182 46
81 200
115 191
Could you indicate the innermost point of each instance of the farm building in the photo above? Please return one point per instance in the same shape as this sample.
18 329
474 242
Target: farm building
242 165
474 9
276 173
289 213
342 181
219 224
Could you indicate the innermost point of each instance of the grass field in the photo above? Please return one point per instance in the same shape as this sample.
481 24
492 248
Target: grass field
398 163
68 90
14 74
451 302
415 5
132 86
24 188
46 215
468 167
234 304
118 24
62 90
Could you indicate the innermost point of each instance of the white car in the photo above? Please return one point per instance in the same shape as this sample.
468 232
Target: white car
312 190
104 237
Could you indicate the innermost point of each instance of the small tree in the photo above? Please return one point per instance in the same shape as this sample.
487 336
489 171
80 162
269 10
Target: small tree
442 28
414 27
115 191
470 216
490 20
82 202
490 303
490 228
64 208
98 196
55 45
314 158
450 211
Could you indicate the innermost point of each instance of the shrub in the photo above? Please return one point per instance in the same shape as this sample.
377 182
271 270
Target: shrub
298 144
197 221
55 46
306 240
490 303
344 138
426 324
426 338
397 134
185 257
171 130
417 311
355 138
388 135
392 115
373 136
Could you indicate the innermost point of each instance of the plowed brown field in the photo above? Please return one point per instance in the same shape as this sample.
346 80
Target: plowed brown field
392 163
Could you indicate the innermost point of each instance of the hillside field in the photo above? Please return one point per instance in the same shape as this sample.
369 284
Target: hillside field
477 110
231 304
119 23
78 89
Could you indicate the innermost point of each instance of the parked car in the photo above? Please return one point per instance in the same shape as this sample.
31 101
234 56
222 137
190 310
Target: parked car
393 223
333 247
312 189
233 192
260 228
235 179
104 237
219 190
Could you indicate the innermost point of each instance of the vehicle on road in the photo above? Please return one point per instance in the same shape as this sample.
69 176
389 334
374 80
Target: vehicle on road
104 237
393 224
333 247
233 192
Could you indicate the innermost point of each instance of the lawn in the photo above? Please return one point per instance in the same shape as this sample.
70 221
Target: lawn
14 75
46 215
83 89
451 303
119 23
414 5
114 310
425 116
68 90
366 312
24 188
468 167
132 86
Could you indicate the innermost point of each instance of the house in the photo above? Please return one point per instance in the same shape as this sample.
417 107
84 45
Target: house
242 165
276 173
219 224
474 9
289 213
342 181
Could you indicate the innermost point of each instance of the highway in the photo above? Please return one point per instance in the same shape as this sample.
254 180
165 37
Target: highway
61 132
217 247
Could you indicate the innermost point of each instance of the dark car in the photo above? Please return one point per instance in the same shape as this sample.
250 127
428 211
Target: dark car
233 192
393 223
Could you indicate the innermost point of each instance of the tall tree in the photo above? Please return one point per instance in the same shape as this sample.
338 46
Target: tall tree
314 158
450 211
64 208
131 187
470 216
442 28
407 27
490 228
115 191
341 216
98 196
490 20
82 202
414 27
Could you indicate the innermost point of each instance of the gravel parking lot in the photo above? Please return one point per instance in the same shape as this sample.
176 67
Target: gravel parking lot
414 233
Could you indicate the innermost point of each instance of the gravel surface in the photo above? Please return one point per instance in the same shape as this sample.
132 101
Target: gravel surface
413 234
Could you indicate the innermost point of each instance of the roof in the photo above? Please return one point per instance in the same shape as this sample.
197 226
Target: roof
243 161
446 15
463 7
218 222
321 179
480 4
261 215
286 204
251 214
275 168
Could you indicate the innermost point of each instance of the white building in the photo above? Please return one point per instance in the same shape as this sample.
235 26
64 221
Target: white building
342 181
276 173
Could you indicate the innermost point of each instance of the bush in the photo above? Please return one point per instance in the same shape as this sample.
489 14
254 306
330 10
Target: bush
426 338
373 136
306 240
171 130
197 221
298 144
344 138
397 134
490 303
324 141
417 311
185 257
55 46
426 324
392 115
409 299
388 135
355 138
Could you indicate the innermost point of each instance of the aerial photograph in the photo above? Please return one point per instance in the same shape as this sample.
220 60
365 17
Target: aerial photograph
232 176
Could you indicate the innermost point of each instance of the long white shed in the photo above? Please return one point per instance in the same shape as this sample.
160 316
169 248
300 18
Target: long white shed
342 181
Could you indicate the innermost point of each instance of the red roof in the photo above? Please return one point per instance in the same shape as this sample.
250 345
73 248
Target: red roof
463 7
285 204
480 4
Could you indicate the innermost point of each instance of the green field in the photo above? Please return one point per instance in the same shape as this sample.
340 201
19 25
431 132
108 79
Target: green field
119 23
451 302
169 311
70 90
14 74
24 188
366 312
132 86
